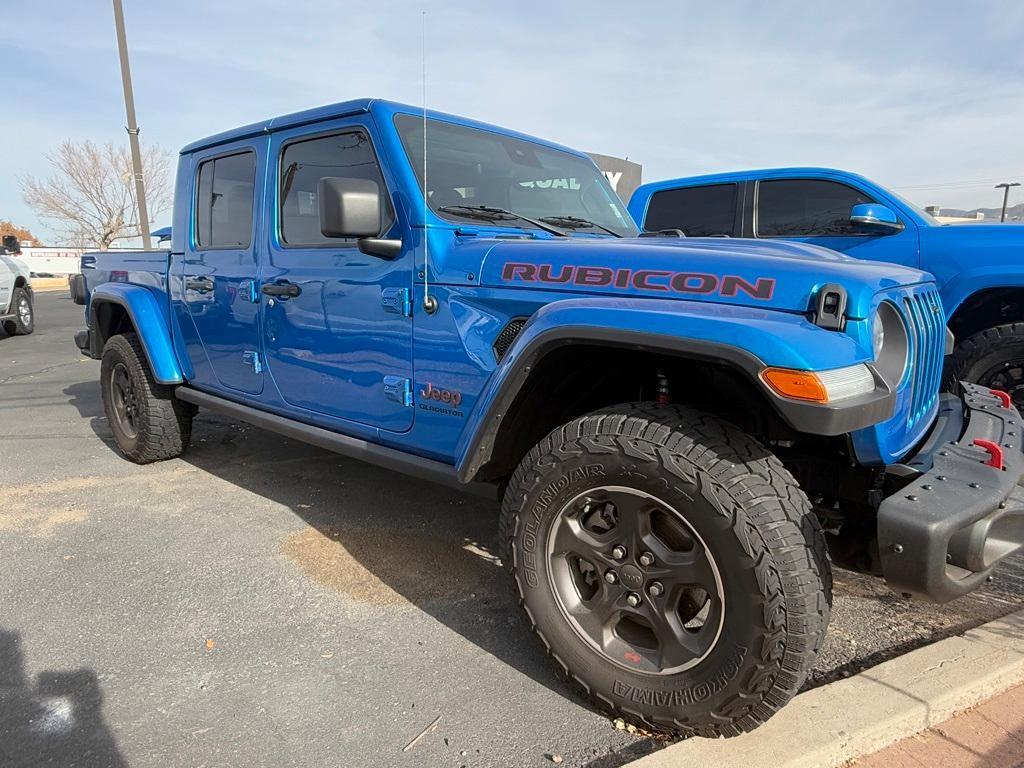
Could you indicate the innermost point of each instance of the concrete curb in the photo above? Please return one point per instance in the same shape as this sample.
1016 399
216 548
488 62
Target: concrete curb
831 725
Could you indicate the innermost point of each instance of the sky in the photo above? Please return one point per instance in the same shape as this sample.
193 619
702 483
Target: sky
924 97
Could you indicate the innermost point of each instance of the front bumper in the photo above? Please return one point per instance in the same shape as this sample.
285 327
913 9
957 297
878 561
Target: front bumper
941 535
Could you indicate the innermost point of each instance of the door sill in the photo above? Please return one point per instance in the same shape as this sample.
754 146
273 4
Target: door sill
353 447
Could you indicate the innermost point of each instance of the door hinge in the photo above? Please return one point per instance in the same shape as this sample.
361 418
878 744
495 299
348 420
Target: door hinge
397 300
251 357
399 389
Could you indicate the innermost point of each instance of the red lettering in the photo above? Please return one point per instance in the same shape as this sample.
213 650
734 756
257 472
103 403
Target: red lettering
762 288
694 282
523 271
642 279
545 276
593 276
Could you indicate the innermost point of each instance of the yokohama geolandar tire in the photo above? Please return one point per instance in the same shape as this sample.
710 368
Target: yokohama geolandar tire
24 320
671 567
148 422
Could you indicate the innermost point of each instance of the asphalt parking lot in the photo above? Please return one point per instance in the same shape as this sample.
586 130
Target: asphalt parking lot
260 602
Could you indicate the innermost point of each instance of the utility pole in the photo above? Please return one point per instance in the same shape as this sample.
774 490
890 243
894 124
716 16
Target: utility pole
1005 186
133 128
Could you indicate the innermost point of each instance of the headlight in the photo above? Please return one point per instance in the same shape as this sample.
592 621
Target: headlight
878 335
891 343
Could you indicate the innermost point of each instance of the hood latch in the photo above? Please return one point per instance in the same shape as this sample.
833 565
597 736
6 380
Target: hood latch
830 307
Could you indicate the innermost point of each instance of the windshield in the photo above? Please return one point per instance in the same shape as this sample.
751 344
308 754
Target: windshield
474 167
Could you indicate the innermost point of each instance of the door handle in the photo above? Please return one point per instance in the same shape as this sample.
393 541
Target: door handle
282 289
199 284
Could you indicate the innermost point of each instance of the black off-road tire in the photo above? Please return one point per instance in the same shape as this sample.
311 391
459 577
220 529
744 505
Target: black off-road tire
979 358
161 427
18 325
753 518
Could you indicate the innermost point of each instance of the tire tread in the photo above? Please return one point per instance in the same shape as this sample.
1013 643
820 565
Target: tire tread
771 517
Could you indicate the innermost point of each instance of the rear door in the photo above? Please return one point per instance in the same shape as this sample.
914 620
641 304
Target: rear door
219 269
342 345
817 210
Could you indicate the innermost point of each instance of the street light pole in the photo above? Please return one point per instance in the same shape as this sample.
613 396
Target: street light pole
133 128
1006 195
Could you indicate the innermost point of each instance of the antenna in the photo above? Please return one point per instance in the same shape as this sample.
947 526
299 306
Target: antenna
429 302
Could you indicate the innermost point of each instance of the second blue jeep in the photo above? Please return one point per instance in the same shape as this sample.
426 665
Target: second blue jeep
979 267
679 430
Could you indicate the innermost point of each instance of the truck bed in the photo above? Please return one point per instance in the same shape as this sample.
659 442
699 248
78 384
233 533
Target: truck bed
148 268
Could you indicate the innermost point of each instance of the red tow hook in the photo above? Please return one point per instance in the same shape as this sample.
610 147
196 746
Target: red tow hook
995 453
1004 397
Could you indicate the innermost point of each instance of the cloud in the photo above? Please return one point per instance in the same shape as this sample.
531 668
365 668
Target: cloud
906 93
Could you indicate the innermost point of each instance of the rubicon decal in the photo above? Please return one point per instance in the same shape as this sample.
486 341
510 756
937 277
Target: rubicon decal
660 280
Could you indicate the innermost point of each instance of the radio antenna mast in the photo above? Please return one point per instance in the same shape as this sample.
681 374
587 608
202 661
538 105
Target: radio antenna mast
429 302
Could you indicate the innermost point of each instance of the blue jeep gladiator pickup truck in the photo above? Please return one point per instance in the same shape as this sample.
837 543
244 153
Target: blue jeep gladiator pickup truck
979 267
680 431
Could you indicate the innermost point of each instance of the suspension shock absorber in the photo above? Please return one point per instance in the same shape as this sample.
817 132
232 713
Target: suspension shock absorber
662 393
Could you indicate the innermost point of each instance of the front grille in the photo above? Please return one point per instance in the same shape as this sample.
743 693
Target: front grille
507 336
926 326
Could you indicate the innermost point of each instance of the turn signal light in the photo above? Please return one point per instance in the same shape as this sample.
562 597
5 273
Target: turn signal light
829 386
799 385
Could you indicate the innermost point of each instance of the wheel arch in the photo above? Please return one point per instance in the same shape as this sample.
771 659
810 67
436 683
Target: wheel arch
115 309
542 380
987 307
555 380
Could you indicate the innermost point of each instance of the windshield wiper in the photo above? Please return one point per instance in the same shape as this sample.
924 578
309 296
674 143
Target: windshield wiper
576 222
489 213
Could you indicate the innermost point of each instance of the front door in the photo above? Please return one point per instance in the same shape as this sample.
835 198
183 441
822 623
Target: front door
818 211
338 330
220 269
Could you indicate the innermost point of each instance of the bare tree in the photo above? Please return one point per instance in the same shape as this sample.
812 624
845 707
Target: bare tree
89 200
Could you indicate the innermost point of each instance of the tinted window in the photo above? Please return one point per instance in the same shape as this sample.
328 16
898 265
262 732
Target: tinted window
473 166
304 163
806 208
698 211
224 193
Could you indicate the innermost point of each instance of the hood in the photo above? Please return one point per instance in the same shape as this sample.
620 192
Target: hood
754 273
966 257
1007 239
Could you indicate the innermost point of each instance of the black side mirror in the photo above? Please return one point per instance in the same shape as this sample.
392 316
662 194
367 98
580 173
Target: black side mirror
11 243
349 207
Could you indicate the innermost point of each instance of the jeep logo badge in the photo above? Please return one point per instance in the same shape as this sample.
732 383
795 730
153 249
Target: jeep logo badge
632 577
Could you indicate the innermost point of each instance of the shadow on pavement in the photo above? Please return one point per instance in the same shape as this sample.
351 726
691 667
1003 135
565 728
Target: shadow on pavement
57 721
374 535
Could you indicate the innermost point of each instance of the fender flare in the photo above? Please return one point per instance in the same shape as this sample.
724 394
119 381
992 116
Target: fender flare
544 333
963 286
151 325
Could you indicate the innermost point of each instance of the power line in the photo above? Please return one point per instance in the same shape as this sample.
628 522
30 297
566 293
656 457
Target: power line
954 184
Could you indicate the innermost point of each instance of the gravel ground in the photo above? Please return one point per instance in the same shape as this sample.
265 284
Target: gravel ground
260 602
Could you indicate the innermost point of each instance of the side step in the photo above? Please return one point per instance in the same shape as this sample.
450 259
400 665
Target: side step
389 458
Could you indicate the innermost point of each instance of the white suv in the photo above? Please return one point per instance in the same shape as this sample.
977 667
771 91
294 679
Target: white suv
17 314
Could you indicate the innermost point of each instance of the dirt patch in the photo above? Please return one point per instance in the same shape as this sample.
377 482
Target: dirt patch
391 567
39 509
